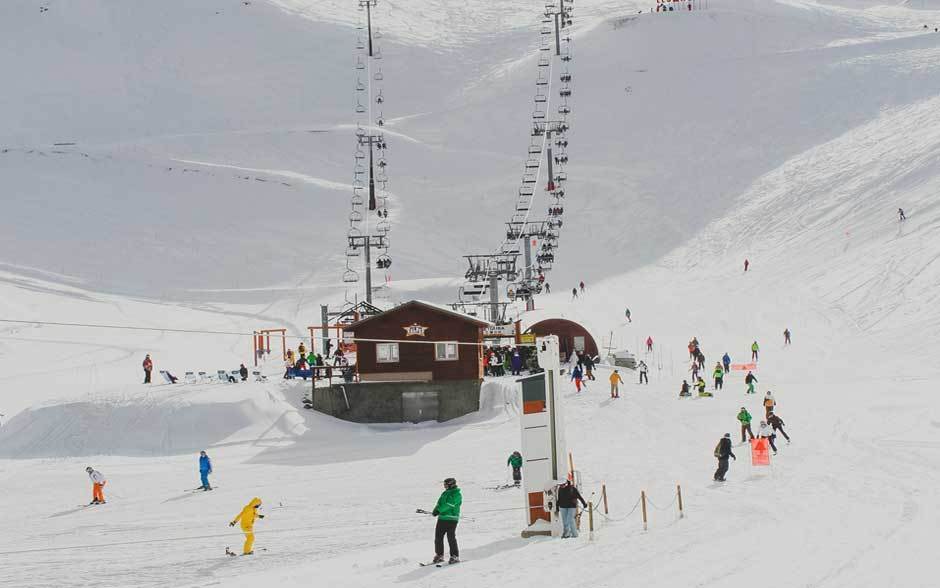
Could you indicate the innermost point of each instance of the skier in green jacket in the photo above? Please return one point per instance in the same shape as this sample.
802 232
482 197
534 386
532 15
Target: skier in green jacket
755 348
745 418
515 461
447 512
719 375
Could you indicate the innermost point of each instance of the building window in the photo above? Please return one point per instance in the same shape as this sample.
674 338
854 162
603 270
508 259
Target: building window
386 352
445 351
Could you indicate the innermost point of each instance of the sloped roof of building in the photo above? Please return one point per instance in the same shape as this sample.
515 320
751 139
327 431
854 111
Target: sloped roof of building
429 305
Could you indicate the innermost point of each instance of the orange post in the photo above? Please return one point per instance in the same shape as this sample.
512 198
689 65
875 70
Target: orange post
643 501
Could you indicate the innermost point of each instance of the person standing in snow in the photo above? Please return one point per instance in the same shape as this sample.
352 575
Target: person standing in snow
243 371
901 215
750 379
786 336
577 376
588 366
205 468
777 423
769 403
649 344
755 349
723 452
744 417
516 362
694 371
148 367
746 265
644 372
684 390
247 519
615 381
97 485
726 362
447 512
568 498
574 293
719 375
515 462
581 285
627 314
548 288
766 432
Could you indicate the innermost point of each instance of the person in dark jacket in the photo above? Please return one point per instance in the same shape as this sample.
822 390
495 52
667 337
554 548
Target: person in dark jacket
515 362
684 390
723 452
568 497
588 362
777 423
243 372
148 367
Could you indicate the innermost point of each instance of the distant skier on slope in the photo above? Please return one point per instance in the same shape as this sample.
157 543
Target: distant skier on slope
548 288
581 285
615 381
719 375
694 371
515 462
901 215
684 390
755 349
97 485
447 512
765 431
644 372
148 367
577 376
750 379
786 336
205 468
627 314
723 452
247 519
574 293
777 423
726 362
649 344
744 417
747 264
769 403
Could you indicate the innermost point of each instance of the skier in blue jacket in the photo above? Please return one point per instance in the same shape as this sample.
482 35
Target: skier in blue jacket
205 468
726 361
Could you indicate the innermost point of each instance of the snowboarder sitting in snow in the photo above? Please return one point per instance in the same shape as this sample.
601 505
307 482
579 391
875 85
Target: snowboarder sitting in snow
97 489
700 386
515 462
723 452
247 518
684 390
447 512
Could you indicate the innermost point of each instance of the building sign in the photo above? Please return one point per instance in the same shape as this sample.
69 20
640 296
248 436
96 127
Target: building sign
527 338
349 337
415 330
499 331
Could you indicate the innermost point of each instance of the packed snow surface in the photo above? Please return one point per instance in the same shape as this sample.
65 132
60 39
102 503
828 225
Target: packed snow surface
204 198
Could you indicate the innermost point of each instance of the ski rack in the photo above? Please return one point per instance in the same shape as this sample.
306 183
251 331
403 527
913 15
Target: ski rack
544 170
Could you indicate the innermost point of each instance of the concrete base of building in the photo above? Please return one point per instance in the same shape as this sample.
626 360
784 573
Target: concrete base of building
399 402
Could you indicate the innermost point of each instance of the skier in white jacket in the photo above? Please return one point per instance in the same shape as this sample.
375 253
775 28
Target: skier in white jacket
767 432
98 481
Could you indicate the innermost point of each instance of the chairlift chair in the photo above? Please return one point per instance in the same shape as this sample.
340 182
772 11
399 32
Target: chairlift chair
378 76
360 64
350 276
360 108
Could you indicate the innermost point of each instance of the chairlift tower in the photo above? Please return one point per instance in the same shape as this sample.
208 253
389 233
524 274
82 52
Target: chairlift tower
370 181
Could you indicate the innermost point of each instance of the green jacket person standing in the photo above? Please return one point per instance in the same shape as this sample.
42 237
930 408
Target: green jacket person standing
515 461
447 512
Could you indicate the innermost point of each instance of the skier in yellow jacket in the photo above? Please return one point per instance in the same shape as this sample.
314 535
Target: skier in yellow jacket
247 517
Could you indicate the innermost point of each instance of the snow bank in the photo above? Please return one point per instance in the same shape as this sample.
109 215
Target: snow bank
151 425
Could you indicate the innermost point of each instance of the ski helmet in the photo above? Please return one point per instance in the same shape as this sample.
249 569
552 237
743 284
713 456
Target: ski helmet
89 469
450 483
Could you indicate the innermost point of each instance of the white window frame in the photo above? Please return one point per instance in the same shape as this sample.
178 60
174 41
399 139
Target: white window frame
391 354
447 347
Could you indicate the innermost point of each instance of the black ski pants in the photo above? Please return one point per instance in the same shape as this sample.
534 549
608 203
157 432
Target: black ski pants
448 528
146 376
722 468
782 432
718 383
771 441
746 429
516 474
644 378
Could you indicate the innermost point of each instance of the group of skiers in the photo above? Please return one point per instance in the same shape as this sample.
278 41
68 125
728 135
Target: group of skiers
499 360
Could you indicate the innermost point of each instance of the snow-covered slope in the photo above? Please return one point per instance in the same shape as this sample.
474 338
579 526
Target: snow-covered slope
786 132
